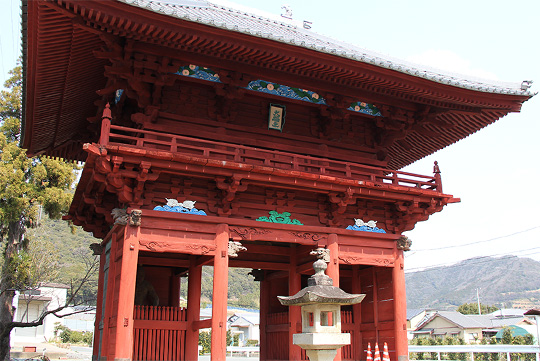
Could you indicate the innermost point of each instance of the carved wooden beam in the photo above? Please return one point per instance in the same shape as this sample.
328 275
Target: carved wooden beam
229 187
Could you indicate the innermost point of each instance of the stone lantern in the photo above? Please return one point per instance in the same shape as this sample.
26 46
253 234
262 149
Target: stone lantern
321 302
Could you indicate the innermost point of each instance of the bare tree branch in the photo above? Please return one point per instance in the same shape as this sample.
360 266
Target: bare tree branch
68 303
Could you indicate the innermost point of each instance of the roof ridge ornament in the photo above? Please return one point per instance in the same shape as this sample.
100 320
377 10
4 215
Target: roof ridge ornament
526 84
287 12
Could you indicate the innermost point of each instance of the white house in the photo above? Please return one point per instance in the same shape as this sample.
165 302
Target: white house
80 321
30 305
245 325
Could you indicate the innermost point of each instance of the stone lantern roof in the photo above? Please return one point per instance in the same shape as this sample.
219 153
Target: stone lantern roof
320 289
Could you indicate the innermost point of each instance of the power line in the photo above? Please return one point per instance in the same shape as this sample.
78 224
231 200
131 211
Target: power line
477 242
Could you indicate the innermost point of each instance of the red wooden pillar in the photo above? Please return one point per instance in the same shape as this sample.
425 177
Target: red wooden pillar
356 340
108 328
193 310
219 295
264 310
400 308
333 265
295 313
126 294
333 269
174 295
99 304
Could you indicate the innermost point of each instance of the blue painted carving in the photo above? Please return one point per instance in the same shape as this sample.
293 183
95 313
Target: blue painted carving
365 108
285 91
118 95
180 209
360 225
199 72
366 229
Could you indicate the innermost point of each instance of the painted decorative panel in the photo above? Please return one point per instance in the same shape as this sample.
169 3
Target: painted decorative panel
118 95
365 108
199 72
285 91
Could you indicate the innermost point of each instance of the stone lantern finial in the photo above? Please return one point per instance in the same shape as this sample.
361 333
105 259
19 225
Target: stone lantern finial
320 266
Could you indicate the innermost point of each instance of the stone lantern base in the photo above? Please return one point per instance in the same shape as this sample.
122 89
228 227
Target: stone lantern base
321 347
321 355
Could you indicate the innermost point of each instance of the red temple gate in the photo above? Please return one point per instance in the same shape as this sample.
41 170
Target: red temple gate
285 141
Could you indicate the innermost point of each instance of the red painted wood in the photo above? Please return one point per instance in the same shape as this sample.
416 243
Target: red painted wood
116 242
333 270
264 310
219 294
400 308
193 311
99 301
202 324
295 314
356 338
333 265
193 147
277 336
126 294
159 333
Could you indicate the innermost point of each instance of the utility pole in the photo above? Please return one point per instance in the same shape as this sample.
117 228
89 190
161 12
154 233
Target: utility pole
478 300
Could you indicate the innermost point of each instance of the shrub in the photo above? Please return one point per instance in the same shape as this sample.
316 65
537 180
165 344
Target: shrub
205 340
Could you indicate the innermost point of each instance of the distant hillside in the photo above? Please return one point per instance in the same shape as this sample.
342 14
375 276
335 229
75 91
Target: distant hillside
508 281
69 251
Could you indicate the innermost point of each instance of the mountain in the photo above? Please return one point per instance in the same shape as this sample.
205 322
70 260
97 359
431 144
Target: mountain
507 281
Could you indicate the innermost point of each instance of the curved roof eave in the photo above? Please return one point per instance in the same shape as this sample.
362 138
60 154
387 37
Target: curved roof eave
230 19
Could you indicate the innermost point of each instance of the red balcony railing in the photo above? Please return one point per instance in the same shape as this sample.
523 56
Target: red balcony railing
118 135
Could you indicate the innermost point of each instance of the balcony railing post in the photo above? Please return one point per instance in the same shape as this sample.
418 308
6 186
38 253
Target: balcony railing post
395 179
437 173
105 125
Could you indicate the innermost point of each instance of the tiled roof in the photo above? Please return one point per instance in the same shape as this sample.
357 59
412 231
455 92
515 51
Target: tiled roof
507 312
213 14
464 321
412 312
472 321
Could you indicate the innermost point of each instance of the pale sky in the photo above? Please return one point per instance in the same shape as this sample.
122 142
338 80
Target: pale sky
495 172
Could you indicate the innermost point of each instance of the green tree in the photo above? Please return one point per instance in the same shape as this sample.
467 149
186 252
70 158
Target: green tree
205 340
28 188
508 339
472 308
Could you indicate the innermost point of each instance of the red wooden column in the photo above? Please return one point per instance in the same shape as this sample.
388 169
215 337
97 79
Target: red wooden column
400 308
193 309
264 310
219 294
333 269
99 303
108 328
357 315
295 313
126 294
333 265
